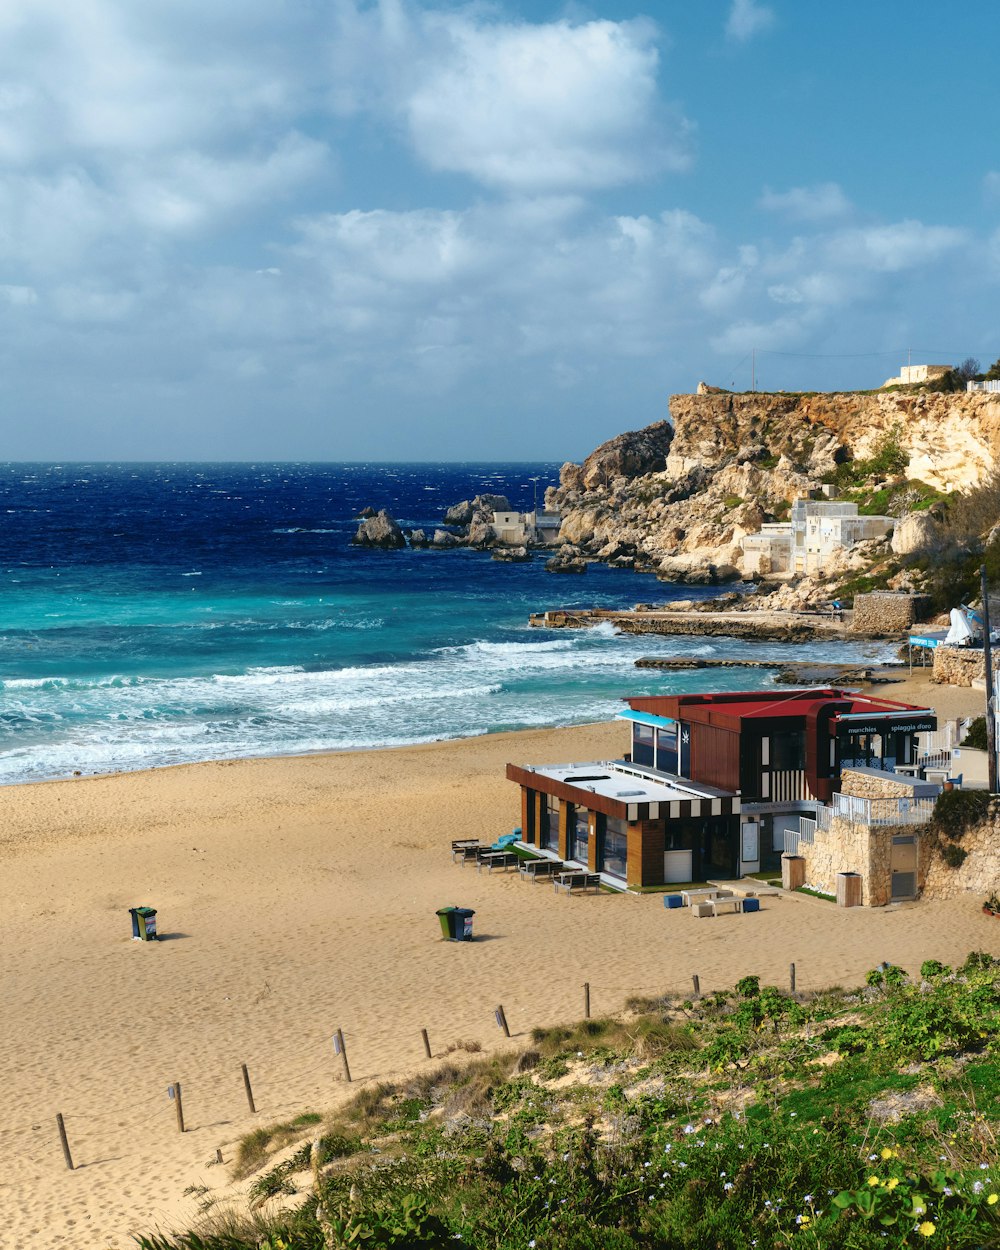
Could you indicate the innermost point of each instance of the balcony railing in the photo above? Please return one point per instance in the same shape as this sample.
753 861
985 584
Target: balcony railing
901 811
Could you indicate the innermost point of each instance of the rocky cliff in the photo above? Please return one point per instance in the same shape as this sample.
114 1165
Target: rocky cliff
678 497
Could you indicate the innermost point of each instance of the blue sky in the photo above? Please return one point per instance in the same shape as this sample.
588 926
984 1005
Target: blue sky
336 229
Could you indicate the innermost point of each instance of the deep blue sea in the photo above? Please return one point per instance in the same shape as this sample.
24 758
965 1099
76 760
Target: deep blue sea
158 614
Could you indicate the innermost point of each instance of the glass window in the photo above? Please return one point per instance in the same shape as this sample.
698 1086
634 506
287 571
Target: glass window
642 744
788 751
614 850
579 834
666 749
550 824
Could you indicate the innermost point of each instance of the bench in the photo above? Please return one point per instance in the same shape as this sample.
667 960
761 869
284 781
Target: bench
715 906
704 895
466 853
535 868
569 881
497 859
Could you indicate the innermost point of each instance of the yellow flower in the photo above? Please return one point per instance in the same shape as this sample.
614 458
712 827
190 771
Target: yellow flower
992 1199
874 1180
891 1183
804 1221
926 1229
887 1153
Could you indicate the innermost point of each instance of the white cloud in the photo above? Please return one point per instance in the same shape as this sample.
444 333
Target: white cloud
893 248
526 108
19 296
824 201
746 19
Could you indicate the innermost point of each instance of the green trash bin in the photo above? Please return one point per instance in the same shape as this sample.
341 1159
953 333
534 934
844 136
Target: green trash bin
446 916
143 924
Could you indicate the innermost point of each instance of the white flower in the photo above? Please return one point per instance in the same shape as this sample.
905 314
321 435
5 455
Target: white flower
728 1185
688 1128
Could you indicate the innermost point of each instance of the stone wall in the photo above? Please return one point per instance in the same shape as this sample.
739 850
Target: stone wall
979 875
868 783
849 847
960 666
887 612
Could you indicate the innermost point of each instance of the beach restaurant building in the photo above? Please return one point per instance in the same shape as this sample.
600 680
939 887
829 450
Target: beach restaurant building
711 782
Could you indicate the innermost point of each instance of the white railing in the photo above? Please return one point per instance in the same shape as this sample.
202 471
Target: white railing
992 388
792 840
902 811
807 830
823 817
935 759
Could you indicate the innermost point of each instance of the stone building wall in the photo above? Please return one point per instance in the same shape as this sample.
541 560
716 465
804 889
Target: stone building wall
869 784
865 849
960 666
887 612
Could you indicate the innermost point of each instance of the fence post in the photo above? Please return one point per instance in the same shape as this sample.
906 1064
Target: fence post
427 1043
586 1000
175 1094
697 986
246 1086
501 1017
791 976
64 1140
340 1048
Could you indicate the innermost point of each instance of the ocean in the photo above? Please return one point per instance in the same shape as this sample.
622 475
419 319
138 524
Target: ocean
157 614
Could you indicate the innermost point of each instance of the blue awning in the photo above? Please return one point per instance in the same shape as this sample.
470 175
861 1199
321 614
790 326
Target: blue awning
645 718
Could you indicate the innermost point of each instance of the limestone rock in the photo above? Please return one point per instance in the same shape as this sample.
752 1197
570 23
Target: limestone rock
381 531
443 538
367 512
630 455
511 555
418 538
459 513
565 564
914 533
481 535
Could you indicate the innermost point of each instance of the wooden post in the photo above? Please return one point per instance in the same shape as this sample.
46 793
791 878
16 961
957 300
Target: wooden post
991 715
501 1016
697 986
64 1140
791 976
427 1042
218 1155
178 1105
246 1086
340 1047
586 1000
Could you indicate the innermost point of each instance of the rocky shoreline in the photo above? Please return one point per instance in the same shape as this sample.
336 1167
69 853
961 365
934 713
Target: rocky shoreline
802 672
757 626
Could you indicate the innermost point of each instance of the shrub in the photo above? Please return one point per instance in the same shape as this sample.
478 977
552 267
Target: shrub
975 735
954 856
958 810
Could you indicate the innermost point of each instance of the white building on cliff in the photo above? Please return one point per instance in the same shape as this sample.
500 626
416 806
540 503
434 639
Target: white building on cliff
806 544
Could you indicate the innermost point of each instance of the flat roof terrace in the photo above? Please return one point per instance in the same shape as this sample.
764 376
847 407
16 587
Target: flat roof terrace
628 791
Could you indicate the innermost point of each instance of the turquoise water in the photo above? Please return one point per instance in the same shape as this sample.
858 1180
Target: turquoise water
164 614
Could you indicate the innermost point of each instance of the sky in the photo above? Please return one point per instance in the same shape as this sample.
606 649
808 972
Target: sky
393 230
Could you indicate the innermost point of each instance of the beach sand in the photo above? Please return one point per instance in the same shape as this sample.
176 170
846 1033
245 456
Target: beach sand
297 896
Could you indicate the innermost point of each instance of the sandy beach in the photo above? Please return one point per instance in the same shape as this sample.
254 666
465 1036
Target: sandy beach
297 896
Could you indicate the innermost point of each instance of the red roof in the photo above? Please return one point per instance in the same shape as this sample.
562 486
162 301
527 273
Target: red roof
727 709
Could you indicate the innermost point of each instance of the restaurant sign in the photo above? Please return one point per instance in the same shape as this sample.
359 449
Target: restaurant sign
861 729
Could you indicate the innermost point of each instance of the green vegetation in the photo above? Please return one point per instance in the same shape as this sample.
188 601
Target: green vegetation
975 735
956 811
889 460
747 1118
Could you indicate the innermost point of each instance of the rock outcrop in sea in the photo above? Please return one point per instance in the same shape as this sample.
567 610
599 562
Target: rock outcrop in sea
381 531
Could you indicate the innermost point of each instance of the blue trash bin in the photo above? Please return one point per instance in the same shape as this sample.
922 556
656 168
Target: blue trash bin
751 904
462 920
672 900
143 924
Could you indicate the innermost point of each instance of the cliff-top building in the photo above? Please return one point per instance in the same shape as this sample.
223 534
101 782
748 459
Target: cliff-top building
712 781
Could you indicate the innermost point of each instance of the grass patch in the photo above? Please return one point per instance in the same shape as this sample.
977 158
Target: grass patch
828 898
747 1119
